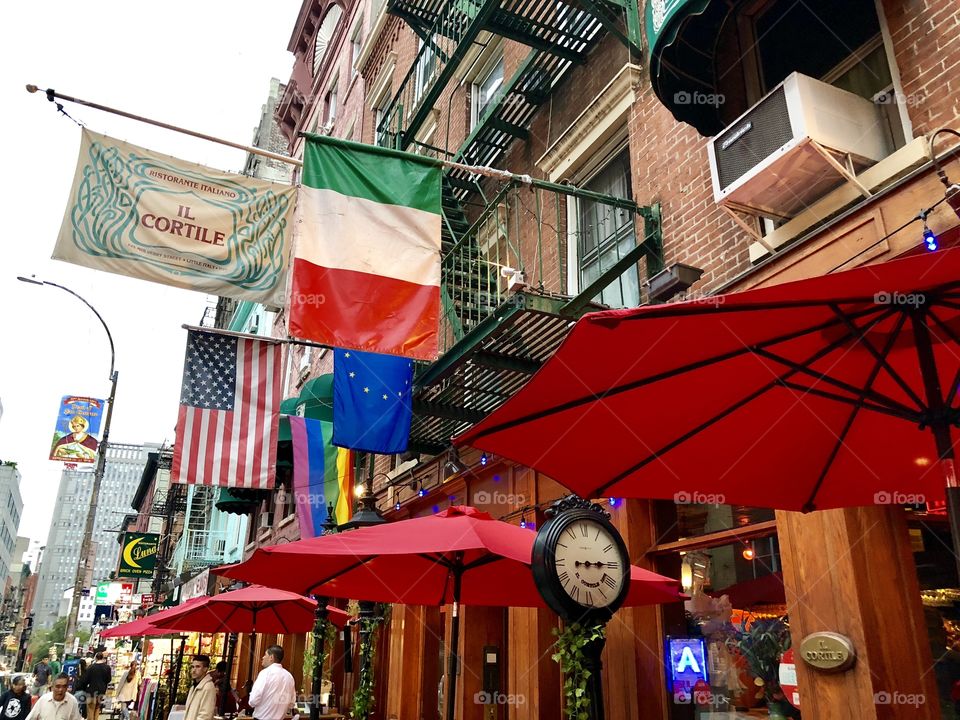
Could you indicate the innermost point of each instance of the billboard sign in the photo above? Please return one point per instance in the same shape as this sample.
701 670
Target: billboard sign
138 558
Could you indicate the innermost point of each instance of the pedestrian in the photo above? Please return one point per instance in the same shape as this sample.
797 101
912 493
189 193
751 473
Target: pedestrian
127 689
202 698
55 667
41 676
15 703
94 683
222 680
274 692
57 704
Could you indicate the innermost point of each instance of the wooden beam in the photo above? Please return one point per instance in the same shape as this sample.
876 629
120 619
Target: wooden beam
716 539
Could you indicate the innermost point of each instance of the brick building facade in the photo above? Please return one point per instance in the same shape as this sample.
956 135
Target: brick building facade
570 98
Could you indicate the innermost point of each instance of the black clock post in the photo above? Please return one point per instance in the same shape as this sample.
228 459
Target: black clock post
582 570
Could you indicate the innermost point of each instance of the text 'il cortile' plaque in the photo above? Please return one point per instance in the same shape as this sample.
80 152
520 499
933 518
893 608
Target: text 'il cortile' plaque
828 652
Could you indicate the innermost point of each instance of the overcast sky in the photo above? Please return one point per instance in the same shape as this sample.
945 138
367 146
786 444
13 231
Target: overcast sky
204 65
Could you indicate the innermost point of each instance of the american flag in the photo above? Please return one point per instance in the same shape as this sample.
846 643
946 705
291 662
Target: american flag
229 411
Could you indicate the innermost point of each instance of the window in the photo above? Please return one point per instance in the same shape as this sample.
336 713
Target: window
324 35
356 45
605 233
330 106
486 90
838 43
426 68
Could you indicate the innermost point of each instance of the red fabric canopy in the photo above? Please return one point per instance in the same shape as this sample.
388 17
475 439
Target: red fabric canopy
749 398
141 627
413 562
251 609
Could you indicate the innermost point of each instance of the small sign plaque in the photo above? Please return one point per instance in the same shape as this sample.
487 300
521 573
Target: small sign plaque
828 652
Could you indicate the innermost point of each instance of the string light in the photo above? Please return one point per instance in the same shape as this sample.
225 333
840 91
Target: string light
397 506
929 239
483 459
749 553
614 502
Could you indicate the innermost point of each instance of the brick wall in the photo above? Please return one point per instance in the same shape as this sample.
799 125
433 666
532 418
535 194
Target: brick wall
926 43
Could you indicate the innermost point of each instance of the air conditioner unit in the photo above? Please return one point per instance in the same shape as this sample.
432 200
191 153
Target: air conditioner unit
804 139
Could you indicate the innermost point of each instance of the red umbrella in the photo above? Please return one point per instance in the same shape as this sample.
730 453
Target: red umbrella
147 625
460 555
248 610
422 561
835 391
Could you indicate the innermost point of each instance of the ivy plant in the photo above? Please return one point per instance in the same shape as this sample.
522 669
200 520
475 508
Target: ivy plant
363 699
571 654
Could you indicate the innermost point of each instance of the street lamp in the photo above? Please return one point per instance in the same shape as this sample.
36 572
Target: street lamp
87 539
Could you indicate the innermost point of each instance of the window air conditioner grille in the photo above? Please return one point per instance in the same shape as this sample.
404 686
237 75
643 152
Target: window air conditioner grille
758 134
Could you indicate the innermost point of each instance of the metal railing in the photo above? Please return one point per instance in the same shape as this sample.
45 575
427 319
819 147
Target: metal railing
526 234
456 25
199 548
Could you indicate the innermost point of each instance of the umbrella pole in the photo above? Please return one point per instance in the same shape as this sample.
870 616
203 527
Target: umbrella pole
176 674
940 418
253 652
319 635
453 660
225 684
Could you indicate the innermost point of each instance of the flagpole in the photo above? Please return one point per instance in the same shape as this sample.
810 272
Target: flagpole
52 96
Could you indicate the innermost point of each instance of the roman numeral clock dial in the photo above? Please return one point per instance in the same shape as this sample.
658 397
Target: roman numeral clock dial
588 565
579 561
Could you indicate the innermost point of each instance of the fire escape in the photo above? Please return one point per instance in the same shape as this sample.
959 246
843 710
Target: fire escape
504 293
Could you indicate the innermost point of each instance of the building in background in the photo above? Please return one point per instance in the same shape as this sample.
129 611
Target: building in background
11 507
122 472
267 136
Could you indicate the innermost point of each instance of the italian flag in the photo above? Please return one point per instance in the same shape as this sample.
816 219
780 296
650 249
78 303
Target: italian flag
366 269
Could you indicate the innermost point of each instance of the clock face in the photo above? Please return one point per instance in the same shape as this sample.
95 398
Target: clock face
588 565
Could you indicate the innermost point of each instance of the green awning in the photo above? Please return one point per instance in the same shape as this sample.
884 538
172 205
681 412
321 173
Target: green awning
316 398
238 501
287 407
682 39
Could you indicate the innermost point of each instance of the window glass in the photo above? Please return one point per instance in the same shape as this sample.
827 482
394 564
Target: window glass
606 233
812 37
487 90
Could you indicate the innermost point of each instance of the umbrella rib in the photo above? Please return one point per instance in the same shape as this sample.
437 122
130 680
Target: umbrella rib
881 399
822 352
955 385
666 375
861 337
908 415
339 573
286 630
841 438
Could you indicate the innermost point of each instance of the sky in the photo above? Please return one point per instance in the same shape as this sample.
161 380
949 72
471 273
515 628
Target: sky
203 65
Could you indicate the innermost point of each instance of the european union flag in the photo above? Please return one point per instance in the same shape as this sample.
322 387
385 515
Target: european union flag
371 401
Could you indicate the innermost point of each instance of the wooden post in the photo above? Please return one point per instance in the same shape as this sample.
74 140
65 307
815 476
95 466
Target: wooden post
852 572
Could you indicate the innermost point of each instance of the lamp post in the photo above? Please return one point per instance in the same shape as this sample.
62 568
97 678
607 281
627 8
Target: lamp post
87 538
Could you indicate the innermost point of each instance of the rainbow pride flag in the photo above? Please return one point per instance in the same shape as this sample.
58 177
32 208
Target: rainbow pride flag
323 475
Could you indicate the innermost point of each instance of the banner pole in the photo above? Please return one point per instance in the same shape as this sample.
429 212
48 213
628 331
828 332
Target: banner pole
53 95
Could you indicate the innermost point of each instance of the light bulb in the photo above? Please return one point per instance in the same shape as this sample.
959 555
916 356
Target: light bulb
929 239
483 459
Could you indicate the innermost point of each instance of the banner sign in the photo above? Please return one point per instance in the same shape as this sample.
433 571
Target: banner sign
135 212
139 555
111 593
78 425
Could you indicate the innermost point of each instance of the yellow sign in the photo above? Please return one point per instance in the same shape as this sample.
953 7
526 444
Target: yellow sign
139 555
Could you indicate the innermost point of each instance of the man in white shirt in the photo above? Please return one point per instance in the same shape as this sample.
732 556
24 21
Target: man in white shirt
57 704
274 692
